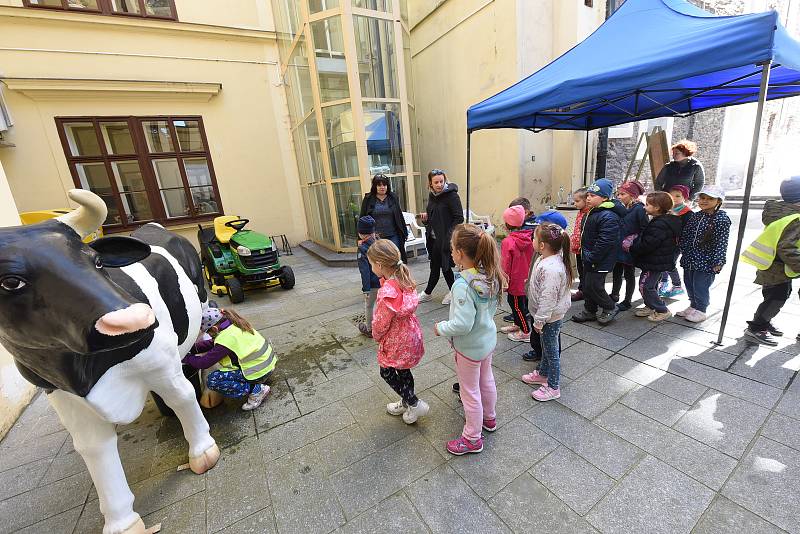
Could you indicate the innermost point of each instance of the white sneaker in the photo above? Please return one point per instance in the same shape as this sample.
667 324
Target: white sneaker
396 408
412 413
424 297
696 316
254 400
509 328
447 298
643 312
684 313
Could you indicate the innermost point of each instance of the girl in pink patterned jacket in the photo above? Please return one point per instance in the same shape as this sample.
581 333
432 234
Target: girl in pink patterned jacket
396 329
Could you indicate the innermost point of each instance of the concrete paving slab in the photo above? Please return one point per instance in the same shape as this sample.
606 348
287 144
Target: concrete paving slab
304 430
654 378
767 365
368 408
594 392
696 459
601 448
23 478
723 422
658 345
766 483
784 430
526 505
186 515
279 408
441 425
331 391
262 522
572 479
395 515
14 455
367 482
580 358
42 503
727 517
655 405
344 448
441 497
595 336
63 523
654 498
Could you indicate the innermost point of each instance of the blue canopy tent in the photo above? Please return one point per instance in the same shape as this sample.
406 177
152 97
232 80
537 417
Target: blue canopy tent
653 58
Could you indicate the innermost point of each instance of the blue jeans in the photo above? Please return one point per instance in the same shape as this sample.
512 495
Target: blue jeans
231 384
697 286
550 366
648 287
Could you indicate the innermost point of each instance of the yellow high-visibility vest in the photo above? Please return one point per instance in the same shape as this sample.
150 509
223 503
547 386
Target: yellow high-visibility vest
761 252
255 354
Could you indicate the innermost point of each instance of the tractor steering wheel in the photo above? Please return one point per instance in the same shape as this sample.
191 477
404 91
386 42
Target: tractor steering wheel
237 224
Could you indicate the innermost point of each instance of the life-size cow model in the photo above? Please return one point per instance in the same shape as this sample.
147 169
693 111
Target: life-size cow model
99 326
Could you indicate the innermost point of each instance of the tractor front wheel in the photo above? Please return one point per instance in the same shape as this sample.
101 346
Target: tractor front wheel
235 291
287 278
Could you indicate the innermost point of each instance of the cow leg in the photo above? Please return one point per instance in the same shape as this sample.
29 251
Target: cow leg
95 439
180 396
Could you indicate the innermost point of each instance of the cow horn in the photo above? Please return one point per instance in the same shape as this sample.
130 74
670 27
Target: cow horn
89 216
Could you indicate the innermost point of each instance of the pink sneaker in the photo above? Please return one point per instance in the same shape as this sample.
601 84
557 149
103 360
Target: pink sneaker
463 446
509 329
520 336
546 393
490 425
534 378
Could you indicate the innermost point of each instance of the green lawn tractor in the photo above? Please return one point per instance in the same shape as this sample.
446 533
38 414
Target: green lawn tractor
235 259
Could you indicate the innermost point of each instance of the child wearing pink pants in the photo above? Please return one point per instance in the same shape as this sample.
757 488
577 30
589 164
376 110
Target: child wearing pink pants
473 333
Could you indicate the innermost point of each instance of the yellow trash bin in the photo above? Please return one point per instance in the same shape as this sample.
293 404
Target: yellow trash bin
33 217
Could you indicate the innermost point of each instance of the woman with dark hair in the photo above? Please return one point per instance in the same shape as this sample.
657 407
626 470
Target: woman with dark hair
383 206
442 214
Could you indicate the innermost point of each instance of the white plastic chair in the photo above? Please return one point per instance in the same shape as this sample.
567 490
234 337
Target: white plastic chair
415 240
484 221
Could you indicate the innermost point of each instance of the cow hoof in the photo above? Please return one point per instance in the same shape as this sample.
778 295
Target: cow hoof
136 528
204 462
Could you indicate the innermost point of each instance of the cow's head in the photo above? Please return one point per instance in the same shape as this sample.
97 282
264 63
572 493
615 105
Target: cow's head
55 291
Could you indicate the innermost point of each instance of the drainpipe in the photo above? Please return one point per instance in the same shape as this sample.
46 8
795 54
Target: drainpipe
602 138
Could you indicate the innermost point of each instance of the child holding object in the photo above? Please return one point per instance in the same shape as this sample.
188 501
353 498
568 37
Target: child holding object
704 243
369 280
245 358
472 331
680 195
654 253
549 295
396 329
634 220
517 252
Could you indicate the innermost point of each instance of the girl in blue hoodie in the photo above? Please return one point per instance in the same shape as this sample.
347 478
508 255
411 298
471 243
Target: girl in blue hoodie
472 331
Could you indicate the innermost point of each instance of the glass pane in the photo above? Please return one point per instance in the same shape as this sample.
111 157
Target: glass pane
384 138
137 206
125 6
117 137
407 62
400 188
377 5
312 215
347 197
421 192
321 205
404 11
167 173
82 4
329 53
415 148
175 203
341 140
113 216
309 152
93 176
48 3
204 200
286 24
298 84
157 135
189 137
197 172
128 176
375 51
158 8
315 6
82 139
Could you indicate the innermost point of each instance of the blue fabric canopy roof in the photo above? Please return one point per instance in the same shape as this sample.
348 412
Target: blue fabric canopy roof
651 58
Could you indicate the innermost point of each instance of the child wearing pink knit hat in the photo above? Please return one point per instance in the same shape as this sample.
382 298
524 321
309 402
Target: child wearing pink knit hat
516 255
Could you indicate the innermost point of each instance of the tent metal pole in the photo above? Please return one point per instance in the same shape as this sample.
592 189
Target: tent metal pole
751 167
469 138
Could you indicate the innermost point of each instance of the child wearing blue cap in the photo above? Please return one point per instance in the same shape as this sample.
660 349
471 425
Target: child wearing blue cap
370 283
600 246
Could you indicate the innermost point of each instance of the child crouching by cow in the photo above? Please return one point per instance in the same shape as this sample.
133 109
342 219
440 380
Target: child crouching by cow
245 358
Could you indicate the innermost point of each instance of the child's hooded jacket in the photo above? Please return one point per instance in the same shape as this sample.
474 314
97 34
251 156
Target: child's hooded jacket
396 328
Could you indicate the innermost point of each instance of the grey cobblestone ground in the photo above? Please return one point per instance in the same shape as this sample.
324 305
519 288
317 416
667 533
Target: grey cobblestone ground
656 431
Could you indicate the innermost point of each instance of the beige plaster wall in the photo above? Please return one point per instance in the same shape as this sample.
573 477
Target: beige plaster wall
245 123
15 392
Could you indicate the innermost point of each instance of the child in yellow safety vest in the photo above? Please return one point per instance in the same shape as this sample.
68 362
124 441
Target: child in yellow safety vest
776 255
245 358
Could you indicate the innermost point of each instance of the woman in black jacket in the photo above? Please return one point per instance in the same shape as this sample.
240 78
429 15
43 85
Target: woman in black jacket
654 252
442 214
383 206
684 169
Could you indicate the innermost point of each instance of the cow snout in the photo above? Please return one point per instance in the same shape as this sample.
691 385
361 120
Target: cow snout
134 318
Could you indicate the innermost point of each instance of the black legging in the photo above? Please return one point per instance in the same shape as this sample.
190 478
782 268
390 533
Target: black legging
629 272
402 382
445 267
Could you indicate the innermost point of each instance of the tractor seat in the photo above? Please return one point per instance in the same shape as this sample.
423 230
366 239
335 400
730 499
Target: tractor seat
206 235
224 233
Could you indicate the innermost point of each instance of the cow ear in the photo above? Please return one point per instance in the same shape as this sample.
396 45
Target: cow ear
120 251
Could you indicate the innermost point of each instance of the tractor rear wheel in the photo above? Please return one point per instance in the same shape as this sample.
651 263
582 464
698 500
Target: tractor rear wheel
235 291
287 278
